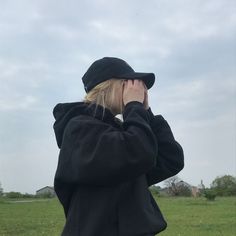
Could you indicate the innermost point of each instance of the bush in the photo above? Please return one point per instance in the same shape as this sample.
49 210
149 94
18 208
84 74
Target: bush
210 194
45 195
27 195
155 189
14 195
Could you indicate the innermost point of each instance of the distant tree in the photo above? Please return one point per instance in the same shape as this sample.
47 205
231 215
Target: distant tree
155 189
171 184
1 190
224 185
14 195
177 187
184 190
27 195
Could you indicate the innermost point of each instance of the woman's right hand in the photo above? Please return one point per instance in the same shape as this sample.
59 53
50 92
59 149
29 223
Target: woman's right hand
133 91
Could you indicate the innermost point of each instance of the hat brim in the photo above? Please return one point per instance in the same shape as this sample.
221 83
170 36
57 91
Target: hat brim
148 78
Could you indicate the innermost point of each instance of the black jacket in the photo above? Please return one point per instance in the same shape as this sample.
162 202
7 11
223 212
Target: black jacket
105 167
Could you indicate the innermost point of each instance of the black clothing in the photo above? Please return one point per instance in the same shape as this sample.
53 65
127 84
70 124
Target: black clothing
105 167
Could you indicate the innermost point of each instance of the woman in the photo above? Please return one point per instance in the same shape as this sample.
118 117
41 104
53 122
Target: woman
106 165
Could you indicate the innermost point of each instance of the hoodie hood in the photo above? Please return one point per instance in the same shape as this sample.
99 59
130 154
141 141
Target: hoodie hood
64 112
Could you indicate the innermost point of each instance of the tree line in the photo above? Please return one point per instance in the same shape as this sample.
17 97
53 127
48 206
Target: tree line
221 186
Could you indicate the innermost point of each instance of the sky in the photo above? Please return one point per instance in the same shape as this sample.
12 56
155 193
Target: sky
47 46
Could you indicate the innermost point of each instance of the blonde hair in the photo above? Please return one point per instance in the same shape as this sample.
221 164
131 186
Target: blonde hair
104 94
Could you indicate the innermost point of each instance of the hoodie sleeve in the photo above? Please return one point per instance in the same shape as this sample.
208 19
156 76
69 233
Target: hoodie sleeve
170 158
95 153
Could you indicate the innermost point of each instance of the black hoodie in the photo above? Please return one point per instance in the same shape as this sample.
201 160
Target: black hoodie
105 167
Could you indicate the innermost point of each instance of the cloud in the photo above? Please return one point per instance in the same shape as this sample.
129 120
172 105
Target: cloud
46 47
18 103
201 98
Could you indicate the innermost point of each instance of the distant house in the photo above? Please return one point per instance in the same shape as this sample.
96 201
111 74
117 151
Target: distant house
46 191
183 183
195 191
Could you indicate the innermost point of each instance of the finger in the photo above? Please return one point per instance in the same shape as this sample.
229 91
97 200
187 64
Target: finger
129 82
139 83
144 85
135 83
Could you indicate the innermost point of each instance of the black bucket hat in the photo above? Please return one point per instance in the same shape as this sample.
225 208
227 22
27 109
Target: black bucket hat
112 67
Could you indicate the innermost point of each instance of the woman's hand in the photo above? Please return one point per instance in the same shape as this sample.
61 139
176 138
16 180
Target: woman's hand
133 91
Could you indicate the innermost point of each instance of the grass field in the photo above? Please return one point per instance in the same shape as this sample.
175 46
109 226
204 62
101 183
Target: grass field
185 217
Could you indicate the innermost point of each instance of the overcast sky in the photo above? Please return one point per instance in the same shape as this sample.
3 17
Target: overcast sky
46 47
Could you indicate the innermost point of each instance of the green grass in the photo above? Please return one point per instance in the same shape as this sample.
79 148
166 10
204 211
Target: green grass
199 217
31 218
185 217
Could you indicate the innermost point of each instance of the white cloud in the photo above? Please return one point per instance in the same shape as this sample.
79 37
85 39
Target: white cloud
46 46
64 32
17 102
200 98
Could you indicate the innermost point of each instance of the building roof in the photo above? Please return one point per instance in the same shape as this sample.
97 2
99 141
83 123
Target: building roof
52 188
